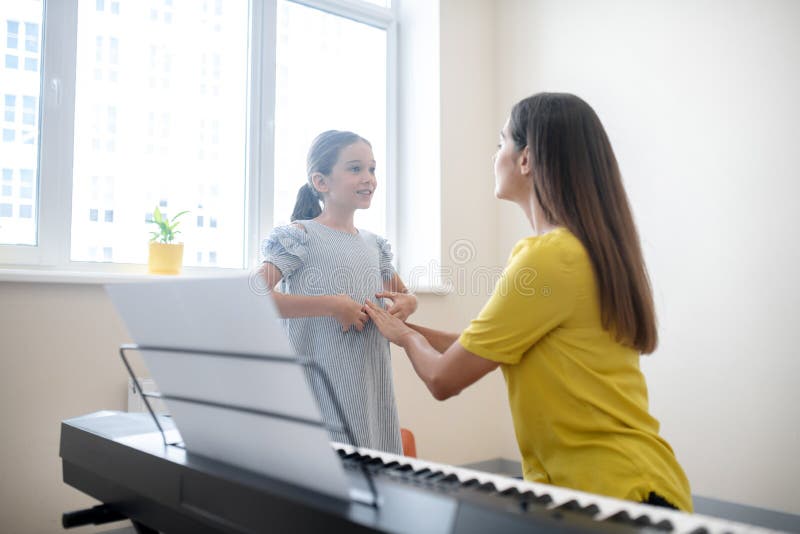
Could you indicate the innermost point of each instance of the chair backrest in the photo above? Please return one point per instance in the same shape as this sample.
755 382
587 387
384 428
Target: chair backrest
409 444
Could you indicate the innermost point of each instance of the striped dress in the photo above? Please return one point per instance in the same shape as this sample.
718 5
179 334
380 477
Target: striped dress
318 260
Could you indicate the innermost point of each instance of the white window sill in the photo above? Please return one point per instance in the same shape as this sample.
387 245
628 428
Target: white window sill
138 274
95 277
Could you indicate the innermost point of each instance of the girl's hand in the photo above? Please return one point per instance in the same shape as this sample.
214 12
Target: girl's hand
347 312
403 304
390 326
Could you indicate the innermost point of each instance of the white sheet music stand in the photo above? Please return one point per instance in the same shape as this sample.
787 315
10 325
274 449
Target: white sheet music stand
202 382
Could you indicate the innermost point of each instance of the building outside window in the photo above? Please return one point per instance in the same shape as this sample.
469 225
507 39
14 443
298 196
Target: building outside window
181 126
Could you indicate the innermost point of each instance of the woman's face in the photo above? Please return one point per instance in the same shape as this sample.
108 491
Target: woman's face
511 183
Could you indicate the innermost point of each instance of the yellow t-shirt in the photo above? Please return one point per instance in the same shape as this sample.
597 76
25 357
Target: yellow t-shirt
577 396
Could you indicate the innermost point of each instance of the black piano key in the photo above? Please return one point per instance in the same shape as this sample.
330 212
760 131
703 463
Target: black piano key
433 476
700 530
538 499
510 492
421 472
624 517
391 465
665 525
528 497
400 472
575 506
620 517
591 510
471 482
451 478
569 505
488 487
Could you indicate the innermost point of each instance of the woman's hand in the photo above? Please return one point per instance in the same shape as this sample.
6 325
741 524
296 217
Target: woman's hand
390 326
347 312
403 304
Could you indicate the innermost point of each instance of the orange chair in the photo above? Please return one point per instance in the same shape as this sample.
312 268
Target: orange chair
409 444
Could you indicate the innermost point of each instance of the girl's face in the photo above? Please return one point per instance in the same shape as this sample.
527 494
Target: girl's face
511 171
351 183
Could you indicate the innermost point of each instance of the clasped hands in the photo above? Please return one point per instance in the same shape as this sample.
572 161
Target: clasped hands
351 314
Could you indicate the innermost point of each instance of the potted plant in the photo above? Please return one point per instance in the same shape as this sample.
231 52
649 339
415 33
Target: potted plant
165 256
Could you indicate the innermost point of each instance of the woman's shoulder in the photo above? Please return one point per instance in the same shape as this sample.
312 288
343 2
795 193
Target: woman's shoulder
559 246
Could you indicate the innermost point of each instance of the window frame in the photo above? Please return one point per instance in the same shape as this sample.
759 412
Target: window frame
56 134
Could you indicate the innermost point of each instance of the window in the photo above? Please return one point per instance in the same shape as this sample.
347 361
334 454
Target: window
184 125
154 166
113 50
31 37
19 150
11 102
12 34
313 48
28 110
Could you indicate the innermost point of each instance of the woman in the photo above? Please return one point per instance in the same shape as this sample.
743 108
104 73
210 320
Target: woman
568 319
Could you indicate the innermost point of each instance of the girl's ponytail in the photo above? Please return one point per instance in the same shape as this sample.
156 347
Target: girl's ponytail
307 204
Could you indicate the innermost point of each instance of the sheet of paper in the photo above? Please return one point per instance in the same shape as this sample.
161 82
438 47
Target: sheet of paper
227 314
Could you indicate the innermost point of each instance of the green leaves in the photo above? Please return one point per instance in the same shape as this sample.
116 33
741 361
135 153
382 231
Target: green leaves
166 227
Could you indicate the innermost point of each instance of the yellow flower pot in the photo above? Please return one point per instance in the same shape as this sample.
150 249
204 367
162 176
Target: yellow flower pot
165 258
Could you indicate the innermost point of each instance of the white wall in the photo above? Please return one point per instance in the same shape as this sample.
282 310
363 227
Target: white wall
700 100
58 359
476 425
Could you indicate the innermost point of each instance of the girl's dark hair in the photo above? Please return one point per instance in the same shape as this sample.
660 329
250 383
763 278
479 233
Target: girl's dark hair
322 156
578 185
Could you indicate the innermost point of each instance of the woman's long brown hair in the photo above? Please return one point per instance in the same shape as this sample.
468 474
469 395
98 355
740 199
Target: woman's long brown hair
578 185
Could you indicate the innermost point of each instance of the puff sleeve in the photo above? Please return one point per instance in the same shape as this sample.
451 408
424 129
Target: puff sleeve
286 248
385 258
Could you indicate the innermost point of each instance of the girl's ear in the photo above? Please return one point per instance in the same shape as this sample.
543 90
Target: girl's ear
320 182
525 161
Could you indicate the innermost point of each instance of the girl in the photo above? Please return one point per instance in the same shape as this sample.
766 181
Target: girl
569 317
327 269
